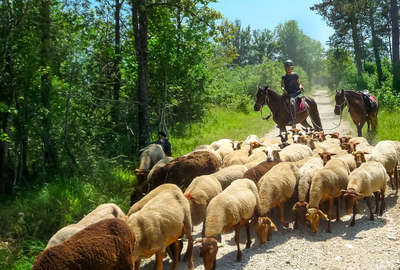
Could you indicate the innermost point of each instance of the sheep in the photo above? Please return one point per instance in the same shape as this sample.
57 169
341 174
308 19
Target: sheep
217 144
369 178
103 211
349 160
359 157
238 157
260 170
295 152
181 171
199 193
326 185
149 156
306 173
161 222
326 156
224 150
227 175
229 210
139 205
106 245
386 152
159 164
276 187
250 139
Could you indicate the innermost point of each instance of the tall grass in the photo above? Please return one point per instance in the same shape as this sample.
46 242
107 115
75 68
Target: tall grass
29 218
221 123
388 125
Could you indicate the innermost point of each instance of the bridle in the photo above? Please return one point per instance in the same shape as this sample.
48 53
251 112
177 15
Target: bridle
266 102
342 105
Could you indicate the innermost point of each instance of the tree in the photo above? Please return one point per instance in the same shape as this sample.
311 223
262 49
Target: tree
395 45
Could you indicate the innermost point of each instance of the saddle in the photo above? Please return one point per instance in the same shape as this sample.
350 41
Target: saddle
370 101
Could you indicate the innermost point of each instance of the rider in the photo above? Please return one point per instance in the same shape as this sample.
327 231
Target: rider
291 87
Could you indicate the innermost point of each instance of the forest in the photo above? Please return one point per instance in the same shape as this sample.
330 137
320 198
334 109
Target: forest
85 84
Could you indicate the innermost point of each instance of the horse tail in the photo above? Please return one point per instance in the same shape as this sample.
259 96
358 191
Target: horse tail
314 114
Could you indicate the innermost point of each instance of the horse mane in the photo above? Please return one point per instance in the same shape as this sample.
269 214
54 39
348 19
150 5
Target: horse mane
352 93
273 92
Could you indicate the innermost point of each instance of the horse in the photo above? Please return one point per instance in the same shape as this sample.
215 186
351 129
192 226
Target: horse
278 106
357 109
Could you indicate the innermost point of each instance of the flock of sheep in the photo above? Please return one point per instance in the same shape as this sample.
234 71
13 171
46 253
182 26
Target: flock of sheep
227 185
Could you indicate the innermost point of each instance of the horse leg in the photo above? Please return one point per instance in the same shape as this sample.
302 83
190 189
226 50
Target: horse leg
305 124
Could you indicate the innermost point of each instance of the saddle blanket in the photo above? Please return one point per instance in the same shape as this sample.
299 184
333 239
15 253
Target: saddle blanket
301 105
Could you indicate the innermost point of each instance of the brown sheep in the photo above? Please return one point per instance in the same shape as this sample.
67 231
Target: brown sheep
359 157
106 245
258 171
103 211
181 171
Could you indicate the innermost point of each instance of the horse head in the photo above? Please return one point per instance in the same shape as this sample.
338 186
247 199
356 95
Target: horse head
261 98
340 101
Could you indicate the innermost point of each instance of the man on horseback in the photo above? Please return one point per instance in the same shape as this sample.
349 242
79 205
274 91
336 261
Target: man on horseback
292 88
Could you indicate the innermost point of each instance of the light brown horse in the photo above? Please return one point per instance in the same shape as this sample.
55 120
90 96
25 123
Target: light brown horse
280 113
357 109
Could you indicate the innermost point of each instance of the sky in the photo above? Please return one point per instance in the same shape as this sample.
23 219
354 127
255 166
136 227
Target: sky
261 14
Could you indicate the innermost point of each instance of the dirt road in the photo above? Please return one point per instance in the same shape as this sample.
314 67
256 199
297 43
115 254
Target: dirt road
367 245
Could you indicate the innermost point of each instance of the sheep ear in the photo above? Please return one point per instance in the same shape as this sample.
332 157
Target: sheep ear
333 154
322 215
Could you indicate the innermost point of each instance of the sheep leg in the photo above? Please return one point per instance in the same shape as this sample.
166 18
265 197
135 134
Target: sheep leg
396 178
159 260
237 241
337 209
382 202
353 219
377 197
371 215
137 265
203 230
282 209
176 255
189 251
248 243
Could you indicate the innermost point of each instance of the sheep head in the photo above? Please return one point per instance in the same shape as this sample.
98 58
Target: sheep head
351 197
208 250
272 154
263 228
352 147
359 157
320 136
334 135
314 215
301 209
326 156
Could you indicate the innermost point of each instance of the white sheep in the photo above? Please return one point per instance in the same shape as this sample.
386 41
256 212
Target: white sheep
238 157
295 152
370 178
225 150
199 193
217 144
161 222
326 185
227 175
276 187
306 173
229 210
387 153
349 160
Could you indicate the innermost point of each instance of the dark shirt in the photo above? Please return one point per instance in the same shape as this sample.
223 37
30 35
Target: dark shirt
164 142
290 84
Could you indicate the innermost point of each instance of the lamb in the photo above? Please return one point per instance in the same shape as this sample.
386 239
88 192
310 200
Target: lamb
306 173
106 245
149 156
228 211
199 193
181 171
387 154
161 222
227 175
103 211
326 185
276 187
295 152
369 178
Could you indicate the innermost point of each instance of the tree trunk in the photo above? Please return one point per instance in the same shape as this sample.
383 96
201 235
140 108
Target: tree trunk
140 28
117 61
50 154
395 45
357 44
375 44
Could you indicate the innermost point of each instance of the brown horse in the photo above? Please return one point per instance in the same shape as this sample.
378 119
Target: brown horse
357 109
280 113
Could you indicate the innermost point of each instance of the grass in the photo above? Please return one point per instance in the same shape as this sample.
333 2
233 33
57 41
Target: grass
221 123
32 215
